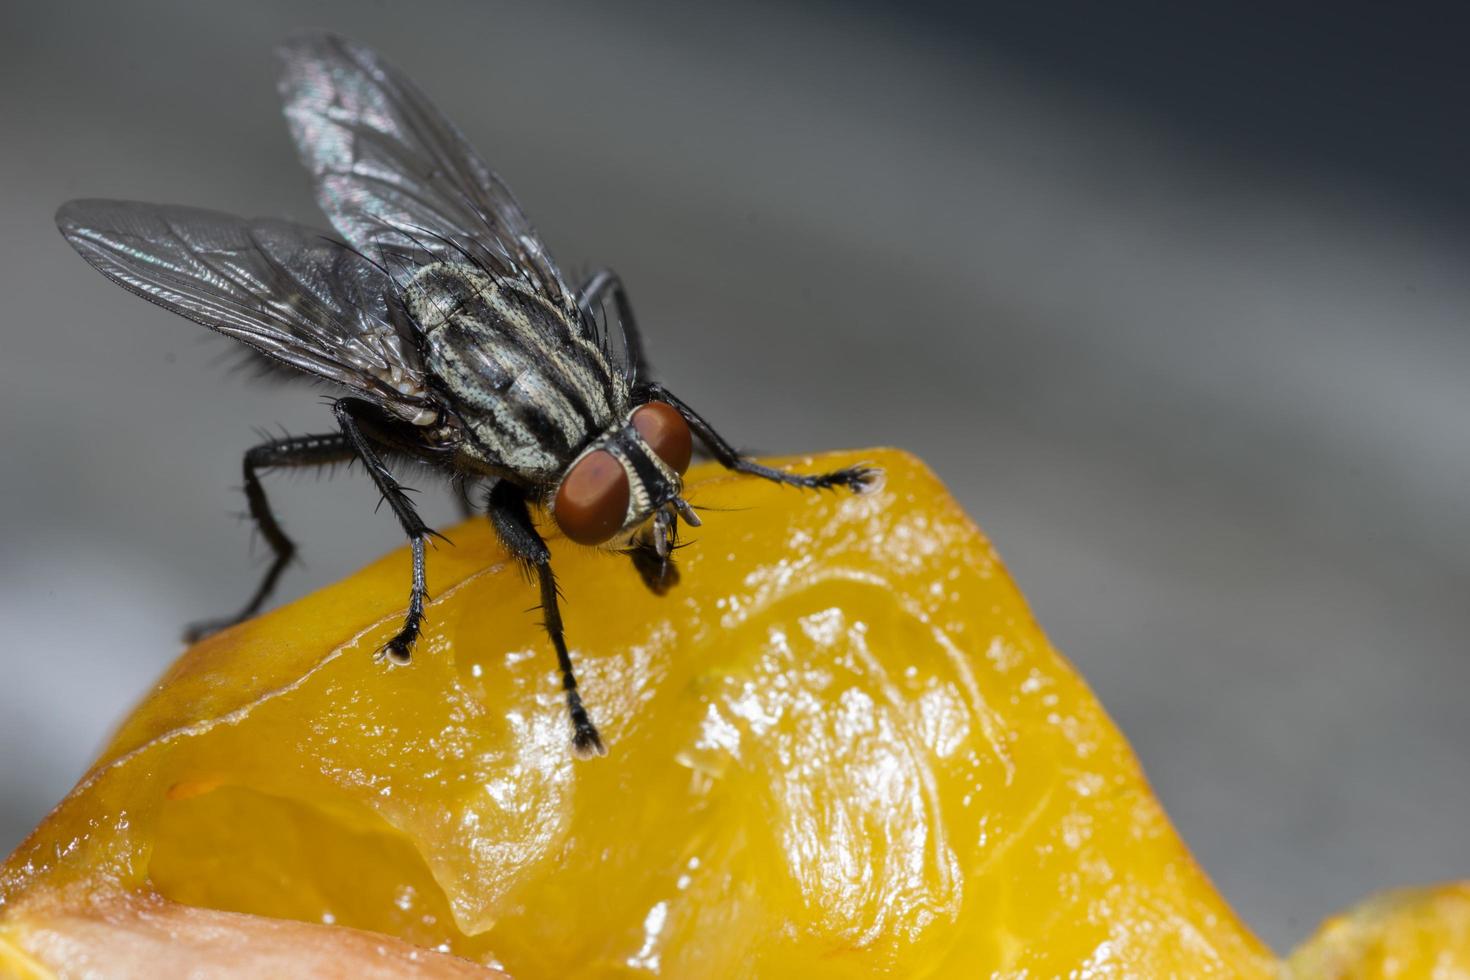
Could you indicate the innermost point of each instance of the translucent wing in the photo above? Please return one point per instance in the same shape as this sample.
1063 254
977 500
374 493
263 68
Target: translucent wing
285 290
395 177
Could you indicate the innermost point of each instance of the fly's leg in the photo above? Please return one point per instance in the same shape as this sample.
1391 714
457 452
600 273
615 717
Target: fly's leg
859 479
602 283
290 451
351 413
512 522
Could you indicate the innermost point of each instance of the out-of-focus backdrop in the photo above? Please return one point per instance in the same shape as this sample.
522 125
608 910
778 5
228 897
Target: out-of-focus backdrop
1173 296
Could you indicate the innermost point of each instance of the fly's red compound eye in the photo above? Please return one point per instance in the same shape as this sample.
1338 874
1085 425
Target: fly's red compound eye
666 433
592 500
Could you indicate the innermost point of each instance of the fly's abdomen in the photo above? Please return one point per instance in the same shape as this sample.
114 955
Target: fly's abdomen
529 386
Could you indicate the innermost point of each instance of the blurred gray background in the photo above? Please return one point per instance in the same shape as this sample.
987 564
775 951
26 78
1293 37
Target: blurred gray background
1175 300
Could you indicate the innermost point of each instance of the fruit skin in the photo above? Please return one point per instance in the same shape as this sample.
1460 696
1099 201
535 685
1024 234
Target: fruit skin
137 935
840 747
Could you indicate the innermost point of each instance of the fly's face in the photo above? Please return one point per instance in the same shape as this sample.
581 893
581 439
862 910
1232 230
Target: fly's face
630 475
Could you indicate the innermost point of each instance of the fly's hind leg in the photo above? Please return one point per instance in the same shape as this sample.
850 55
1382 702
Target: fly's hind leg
351 414
512 521
289 451
858 479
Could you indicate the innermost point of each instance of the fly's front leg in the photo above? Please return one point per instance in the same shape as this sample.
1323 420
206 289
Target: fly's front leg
512 522
859 479
290 451
605 282
350 414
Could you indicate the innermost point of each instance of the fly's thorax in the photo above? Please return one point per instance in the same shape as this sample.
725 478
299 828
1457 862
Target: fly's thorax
531 388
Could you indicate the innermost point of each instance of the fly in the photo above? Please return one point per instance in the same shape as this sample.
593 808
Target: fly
452 331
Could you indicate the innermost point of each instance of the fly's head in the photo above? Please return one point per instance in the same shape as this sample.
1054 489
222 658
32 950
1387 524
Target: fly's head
628 482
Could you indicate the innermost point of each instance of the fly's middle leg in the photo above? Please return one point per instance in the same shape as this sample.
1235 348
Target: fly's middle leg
320 450
351 414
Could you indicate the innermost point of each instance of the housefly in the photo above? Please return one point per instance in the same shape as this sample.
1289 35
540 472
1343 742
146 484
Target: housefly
457 340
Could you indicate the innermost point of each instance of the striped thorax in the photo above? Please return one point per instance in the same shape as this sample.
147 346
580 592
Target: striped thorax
530 388
540 404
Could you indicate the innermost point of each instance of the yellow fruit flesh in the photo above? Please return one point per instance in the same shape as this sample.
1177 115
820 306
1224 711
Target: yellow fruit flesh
1406 933
841 746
